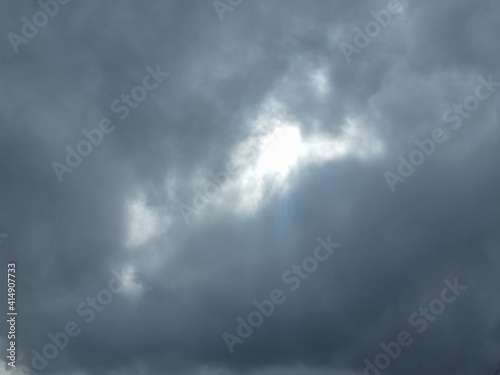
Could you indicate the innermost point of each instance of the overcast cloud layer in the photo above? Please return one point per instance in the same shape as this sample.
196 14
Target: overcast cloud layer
314 127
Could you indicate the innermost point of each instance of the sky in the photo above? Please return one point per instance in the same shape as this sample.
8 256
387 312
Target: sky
250 187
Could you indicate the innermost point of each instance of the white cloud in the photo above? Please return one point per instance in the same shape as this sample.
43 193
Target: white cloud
143 222
282 149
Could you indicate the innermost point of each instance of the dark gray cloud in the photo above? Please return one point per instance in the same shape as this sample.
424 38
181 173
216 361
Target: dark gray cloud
231 85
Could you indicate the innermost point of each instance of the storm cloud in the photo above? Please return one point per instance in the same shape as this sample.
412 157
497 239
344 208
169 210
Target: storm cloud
167 166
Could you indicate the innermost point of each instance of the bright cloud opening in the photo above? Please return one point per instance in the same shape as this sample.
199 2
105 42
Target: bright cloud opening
281 149
277 149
